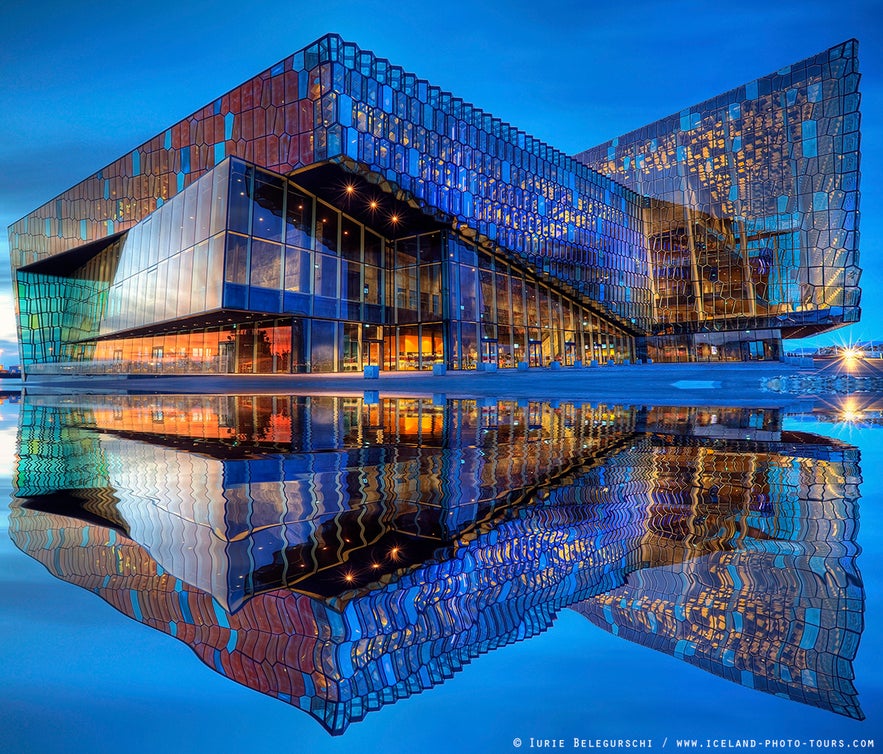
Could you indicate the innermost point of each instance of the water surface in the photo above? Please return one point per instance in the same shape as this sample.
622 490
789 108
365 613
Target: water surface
375 573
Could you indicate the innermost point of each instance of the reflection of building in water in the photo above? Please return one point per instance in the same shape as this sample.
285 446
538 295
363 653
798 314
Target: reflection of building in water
280 478
341 555
771 597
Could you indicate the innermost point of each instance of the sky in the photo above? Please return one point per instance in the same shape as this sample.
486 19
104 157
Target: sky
82 83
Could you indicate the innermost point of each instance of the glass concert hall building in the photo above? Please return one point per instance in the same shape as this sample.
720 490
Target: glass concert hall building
336 212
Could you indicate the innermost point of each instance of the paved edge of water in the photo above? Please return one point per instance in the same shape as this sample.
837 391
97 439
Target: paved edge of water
731 384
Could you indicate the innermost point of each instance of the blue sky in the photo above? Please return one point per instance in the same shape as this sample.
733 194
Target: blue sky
83 82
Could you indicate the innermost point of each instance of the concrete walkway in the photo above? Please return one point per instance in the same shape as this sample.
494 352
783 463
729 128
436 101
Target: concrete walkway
730 384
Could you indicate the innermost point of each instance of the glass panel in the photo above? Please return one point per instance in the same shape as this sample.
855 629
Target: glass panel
220 189
266 220
488 309
266 264
214 270
177 221
205 197
185 303
327 221
430 292
468 345
431 248
409 348
504 308
406 294
431 346
272 349
199 277
351 281
406 252
350 353
298 270
240 192
171 287
323 346
245 341
188 229
468 295
326 276
371 289
298 219
350 240
373 248
159 302
236 265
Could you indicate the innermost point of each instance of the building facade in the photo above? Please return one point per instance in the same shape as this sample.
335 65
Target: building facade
336 212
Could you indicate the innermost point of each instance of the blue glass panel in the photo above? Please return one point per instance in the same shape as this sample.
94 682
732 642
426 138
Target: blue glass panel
810 144
264 300
235 296
296 303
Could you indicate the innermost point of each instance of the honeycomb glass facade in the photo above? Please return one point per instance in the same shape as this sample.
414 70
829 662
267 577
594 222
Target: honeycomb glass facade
337 212
751 212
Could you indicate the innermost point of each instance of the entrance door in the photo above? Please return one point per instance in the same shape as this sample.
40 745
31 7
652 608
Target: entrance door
227 353
535 353
372 351
489 350
569 353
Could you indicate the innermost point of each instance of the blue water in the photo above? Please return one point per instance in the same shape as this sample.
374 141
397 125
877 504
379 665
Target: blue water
80 675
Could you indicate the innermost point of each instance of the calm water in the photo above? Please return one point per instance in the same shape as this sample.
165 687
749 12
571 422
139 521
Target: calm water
239 573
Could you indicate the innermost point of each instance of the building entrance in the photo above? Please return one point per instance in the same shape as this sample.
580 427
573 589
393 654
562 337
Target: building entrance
489 351
534 353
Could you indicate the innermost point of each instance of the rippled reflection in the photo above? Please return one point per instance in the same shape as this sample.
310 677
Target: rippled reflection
340 554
